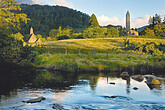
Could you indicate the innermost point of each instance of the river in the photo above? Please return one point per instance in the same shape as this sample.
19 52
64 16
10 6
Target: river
73 91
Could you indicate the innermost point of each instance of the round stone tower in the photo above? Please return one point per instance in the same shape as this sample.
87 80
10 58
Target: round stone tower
127 22
31 30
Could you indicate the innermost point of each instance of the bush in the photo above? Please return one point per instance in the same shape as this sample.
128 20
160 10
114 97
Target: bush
10 51
62 37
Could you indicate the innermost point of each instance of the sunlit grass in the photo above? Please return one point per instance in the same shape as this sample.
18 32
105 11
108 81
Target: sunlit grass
103 44
91 54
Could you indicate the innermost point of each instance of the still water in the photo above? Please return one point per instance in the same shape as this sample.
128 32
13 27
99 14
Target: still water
86 91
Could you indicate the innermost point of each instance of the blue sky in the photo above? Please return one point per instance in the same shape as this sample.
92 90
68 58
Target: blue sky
112 11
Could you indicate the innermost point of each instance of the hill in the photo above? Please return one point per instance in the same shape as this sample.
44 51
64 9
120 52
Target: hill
119 27
44 18
141 28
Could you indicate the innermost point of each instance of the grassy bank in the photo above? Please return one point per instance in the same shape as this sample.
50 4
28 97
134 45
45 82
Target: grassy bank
98 55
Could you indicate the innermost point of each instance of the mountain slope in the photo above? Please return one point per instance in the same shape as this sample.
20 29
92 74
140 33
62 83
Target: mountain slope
44 18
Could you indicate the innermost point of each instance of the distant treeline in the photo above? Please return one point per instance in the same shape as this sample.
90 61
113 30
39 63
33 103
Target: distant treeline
44 18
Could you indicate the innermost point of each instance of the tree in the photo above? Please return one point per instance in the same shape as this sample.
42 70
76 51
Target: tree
38 36
88 33
155 20
112 32
158 30
164 20
149 33
10 51
9 19
59 31
18 36
53 33
123 32
93 22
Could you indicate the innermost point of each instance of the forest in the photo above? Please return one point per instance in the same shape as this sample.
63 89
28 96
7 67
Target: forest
44 18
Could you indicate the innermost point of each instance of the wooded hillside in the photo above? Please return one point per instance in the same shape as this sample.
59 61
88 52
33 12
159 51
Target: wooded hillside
44 18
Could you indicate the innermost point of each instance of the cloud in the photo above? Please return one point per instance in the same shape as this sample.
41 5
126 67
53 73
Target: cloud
41 2
63 3
139 22
25 1
135 23
104 20
50 2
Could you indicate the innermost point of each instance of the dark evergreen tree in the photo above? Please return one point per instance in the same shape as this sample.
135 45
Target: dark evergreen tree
93 21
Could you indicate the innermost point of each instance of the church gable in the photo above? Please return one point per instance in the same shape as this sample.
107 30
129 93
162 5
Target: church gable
32 38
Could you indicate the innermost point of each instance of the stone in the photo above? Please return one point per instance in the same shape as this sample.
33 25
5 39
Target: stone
112 83
155 82
149 76
32 38
138 78
124 74
39 99
112 96
57 106
127 22
135 88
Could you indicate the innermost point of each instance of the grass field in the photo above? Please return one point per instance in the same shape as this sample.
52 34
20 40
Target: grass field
100 43
97 55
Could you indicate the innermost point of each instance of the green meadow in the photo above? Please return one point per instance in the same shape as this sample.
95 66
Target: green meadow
100 54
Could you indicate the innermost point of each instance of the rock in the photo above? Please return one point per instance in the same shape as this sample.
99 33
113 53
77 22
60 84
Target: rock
152 86
112 83
112 96
135 88
57 106
155 82
124 74
149 76
138 78
39 99
109 96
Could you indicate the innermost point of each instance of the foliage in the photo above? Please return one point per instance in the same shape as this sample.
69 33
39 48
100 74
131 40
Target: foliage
60 33
147 48
18 36
149 33
93 22
10 51
159 30
8 18
155 20
45 18
119 27
112 32
29 53
123 32
96 32
38 36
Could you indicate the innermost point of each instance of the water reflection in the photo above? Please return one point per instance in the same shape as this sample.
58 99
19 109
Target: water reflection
74 90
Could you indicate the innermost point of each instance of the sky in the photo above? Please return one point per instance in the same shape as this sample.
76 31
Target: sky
112 11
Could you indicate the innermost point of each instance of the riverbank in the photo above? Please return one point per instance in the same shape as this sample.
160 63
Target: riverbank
100 62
